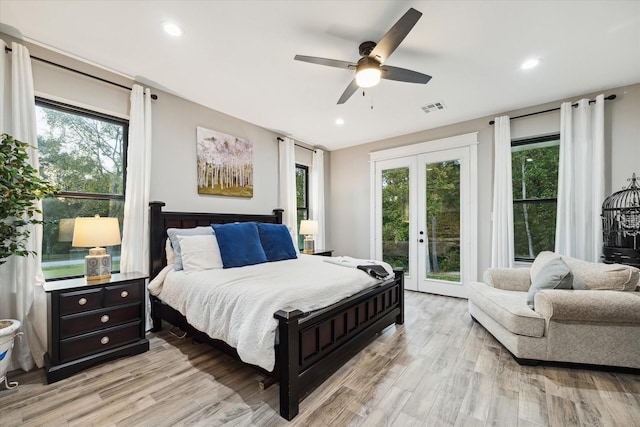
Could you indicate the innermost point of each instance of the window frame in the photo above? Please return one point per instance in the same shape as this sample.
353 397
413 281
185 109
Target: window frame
304 209
80 111
530 141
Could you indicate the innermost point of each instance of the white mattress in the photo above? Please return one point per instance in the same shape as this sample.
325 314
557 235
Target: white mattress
236 305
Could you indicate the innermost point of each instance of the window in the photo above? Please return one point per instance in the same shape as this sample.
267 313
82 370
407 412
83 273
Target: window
83 153
302 196
534 169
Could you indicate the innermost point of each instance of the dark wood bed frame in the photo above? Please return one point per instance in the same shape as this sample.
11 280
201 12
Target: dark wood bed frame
311 346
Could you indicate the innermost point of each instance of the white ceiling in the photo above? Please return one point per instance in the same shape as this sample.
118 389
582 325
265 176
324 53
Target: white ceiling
237 56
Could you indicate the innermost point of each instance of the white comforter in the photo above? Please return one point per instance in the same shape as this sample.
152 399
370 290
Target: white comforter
236 305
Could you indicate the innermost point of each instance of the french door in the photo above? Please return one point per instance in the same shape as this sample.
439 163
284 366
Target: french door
424 220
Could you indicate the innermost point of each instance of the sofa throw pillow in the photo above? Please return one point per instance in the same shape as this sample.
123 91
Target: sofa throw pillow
540 261
598 276
200 252
239 244
276 242
173 234
554 275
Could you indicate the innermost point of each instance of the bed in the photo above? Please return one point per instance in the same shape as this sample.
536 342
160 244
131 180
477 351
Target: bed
310 345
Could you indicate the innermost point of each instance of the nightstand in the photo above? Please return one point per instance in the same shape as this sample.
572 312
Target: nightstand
321 252
92 322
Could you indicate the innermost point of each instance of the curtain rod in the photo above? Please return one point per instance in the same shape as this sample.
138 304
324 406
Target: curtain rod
298 145
591 101
64 67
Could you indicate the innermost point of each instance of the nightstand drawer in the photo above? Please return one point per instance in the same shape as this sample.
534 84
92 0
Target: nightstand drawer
84 345
78 301
99 319
122 294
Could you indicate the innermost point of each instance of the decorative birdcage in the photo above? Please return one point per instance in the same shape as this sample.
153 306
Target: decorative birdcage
621 225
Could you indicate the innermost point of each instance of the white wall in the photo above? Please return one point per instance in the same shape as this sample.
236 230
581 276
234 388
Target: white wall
173 171
173 158
348 190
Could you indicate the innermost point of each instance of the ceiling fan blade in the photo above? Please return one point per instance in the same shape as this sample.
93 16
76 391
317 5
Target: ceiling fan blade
324 61
390 41
403 75
350 90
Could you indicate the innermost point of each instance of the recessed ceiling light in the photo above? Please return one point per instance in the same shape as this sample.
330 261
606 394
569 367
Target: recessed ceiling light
529 63
339 121
172 29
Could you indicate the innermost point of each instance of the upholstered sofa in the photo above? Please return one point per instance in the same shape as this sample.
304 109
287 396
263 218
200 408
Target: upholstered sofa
594 322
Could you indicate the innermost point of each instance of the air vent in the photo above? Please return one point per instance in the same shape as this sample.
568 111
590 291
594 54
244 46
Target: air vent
434 106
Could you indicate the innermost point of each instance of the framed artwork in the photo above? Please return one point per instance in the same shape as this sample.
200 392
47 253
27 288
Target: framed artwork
225 164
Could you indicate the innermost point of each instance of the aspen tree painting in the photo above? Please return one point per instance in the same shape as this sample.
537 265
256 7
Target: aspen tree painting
225 164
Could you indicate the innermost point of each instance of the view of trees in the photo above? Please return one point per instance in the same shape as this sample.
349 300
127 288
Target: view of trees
534 170
395 217
443 219
83 156
302 201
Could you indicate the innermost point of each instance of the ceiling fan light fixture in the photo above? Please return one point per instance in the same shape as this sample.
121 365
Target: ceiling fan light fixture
368 73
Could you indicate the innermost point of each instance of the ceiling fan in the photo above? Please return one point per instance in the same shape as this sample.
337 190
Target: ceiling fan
370 68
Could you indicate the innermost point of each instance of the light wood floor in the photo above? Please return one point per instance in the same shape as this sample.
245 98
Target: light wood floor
439 369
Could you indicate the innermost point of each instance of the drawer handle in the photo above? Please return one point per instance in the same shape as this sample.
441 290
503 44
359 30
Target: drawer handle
124 294
104 340
105 318
82 301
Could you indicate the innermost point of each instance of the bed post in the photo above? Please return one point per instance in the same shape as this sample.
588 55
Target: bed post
278 213
399 277
288 361
156 235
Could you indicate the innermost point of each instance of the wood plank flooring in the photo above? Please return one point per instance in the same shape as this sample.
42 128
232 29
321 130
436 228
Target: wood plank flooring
439 369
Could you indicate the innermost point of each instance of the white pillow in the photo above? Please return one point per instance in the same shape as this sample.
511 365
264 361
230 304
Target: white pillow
200 252
171 256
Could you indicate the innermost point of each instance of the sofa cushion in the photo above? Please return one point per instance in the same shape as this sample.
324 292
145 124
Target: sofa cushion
509 308
509 279
594 276
554 275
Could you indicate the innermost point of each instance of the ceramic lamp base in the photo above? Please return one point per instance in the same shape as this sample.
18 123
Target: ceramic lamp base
309 245
98 264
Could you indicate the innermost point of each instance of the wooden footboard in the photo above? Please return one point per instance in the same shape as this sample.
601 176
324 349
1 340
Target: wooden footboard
313 347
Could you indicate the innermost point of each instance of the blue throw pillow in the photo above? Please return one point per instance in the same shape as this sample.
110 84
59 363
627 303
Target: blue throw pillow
239 244
276 242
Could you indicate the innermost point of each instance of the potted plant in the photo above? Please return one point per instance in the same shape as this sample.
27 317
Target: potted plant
20 187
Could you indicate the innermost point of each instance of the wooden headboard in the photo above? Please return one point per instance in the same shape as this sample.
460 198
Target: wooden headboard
160 221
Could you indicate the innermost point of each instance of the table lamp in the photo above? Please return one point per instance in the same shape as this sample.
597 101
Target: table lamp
94 233
308 228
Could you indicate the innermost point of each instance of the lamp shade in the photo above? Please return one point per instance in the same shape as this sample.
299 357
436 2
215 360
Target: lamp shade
308 226
96 231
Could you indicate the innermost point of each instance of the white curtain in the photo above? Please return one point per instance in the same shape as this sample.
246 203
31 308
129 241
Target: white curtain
287 190
316 189
135 229
581 180
502 246
21 294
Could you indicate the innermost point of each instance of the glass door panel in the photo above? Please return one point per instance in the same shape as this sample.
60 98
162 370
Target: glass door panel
395 217
445 247
442 209
395 220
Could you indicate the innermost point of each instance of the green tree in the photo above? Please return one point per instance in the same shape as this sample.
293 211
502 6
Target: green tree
534 177
83 156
